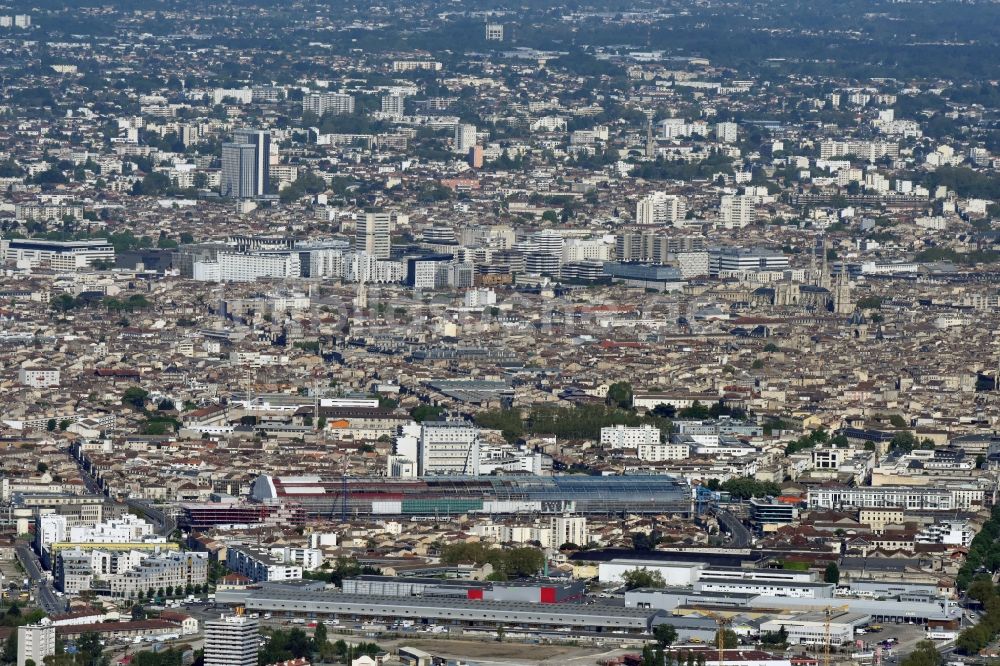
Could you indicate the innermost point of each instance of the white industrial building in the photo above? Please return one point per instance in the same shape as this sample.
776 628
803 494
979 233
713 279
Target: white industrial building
675 574
810 628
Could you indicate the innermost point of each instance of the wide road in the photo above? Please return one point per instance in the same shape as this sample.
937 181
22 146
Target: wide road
738 532
165 525
45 595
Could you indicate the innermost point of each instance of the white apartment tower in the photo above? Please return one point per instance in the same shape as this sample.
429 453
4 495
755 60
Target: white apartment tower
726 132
373 235
35 642
465 138
231 640
569 529
393 105
737 211
494 32
660 208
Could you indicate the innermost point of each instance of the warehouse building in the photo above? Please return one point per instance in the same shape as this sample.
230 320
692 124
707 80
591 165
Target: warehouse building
933 611
443 611
811 628
544 592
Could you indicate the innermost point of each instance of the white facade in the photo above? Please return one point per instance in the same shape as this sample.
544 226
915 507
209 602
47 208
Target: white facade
38 377
953 497
307 558
231 640
477 298
569 529
737 211
627 437
393 105
128 529
666 451
323 103
589 249
374 234
57 255
236 267
449 447
726 132
35 642
660 208
260 565
465 137
675 574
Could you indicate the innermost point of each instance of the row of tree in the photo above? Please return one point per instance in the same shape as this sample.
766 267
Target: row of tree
984 551
285 645
507 564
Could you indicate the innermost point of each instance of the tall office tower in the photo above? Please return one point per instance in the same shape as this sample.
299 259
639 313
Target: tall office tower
374 234
465 138
231 640
238 171
393 104
737 211
660 208
494 32
261 142
35 642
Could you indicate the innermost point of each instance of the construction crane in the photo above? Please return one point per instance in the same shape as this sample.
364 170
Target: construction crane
828 615
721 621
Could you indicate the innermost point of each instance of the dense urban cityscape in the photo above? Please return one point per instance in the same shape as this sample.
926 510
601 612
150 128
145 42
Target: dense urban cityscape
470 333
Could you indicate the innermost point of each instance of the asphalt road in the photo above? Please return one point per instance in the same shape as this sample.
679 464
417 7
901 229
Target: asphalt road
737 530
45 595
165 525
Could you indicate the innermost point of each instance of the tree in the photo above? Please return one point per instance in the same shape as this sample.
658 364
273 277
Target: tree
904 442
729 638
90 650
10 648
665 635
51 425
135 398
422 413
41 468
832 573
620 394
319 638
924 654
643 577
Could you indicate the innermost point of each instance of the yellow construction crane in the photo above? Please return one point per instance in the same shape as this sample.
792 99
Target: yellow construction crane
828 614
721 621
